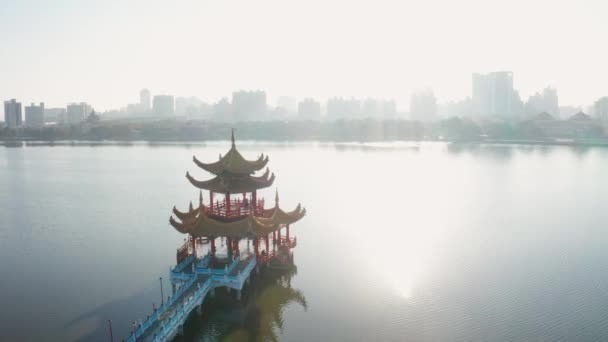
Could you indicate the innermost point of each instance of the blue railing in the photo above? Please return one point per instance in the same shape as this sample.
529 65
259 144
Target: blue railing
167 330
180 267
218 278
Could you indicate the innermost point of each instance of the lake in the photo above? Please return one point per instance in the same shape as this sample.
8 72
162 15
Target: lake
402 241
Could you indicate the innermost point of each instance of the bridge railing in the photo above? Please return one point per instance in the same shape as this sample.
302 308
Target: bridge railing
235 281
226 270
180 267
189 303
154 317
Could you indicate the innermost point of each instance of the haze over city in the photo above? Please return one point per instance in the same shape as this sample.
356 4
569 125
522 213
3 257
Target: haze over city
103 52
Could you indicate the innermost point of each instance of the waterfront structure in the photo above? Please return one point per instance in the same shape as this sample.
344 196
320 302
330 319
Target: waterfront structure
163 105
12 114
34 115
77 112
220 235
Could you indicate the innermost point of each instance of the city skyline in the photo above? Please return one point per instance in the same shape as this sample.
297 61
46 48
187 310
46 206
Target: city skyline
100 51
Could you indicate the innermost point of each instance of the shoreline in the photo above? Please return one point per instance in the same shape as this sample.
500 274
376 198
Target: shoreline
83 142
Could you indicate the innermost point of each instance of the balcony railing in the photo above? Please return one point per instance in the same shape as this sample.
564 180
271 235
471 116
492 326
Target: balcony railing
238 208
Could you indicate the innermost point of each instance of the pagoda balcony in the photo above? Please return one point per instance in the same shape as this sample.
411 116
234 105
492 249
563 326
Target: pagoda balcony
238 208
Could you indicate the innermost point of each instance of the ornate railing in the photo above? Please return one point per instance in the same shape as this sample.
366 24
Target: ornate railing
238 208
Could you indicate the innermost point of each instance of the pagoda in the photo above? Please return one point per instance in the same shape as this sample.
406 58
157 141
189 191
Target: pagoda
234 213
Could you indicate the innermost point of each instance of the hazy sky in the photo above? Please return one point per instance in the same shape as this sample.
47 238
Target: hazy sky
105 51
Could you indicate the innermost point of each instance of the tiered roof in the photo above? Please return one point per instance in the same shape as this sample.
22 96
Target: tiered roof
233 173
198 223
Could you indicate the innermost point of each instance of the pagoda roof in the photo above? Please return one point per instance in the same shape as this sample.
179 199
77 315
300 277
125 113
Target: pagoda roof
235 184
233 163
197 223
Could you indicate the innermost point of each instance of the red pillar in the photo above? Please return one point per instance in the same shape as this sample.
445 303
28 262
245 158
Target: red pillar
212 245
229 245
227 204
236 247
254 196
267 244
193 245
256 247
287 232
211 199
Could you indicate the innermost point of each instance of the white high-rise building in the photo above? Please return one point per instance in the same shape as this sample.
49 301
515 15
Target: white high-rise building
163 105
309 109
423 106
144 100
34 115
12 114
77 112
600 109
493 94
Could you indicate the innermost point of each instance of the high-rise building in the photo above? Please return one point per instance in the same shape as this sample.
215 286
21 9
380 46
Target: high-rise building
144 100
77 112
249 105
288 103
493 94
34 115
163 105
546 102
601 109
309 109
12 114
57 115
423 106
222 111
340 109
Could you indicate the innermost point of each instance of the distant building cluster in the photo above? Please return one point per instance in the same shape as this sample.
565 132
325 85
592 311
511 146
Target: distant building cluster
493 98
37 116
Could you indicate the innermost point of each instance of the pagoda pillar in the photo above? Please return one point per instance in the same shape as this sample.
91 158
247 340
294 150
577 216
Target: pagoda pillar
212 241
193 245
211 200
256 248
229 246
254 198
236 247
267 244
287 233
227 204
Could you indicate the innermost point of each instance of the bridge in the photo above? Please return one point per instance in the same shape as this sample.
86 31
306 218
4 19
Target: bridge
192 280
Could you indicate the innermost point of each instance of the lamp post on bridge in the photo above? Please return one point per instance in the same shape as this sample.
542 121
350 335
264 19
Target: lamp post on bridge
162 297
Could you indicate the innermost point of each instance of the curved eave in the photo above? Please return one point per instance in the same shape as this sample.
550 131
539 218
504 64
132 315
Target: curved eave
232 184
205 226
279 216
234 163
185 216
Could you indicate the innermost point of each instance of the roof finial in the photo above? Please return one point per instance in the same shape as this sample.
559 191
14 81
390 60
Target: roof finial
232 137
276 196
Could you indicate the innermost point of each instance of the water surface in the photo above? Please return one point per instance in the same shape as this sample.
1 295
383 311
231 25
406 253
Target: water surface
401 242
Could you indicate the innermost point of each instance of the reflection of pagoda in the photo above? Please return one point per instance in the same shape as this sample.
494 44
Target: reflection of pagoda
238 215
